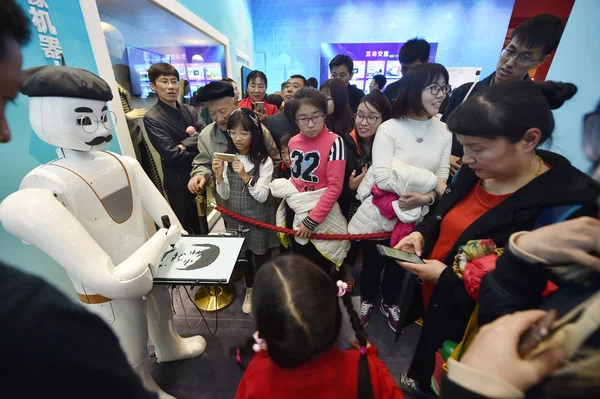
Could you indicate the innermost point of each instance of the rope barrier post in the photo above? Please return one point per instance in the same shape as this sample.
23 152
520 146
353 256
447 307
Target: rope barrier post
201 208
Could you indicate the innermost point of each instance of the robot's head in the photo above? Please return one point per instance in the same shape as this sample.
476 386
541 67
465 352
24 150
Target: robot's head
68 107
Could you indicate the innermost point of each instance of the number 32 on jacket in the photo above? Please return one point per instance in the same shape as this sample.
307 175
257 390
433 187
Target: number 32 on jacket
304 165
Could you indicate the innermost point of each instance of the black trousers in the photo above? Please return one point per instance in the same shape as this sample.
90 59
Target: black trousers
251 266
183 204
310 251
370 276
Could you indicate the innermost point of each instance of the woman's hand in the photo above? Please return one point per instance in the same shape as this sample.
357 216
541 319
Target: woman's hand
494 352
412 243
303 231
261 116
408 201
238 167
566 242
354 181
217 167
440 188
455 164
430 271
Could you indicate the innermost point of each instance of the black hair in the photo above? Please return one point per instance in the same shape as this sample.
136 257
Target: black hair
543 31
414 50
510 109
380 80
342 59
275 99
228 80
256 75
307 95
341 121
13 25
381 103
312 82
283 85
296 310
285 140
161 69
409 102
302 78
247 119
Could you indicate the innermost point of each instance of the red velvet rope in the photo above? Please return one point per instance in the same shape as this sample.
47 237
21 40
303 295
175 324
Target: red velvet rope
291 232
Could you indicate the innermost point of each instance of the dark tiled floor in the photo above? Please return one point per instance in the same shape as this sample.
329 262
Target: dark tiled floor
215 375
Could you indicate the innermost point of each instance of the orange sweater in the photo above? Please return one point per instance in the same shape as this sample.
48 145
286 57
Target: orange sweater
474 205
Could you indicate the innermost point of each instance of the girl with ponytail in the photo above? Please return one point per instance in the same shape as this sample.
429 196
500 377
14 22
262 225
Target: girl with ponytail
298 316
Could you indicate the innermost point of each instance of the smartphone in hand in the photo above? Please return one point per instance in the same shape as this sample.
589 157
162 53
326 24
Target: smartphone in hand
259 106
398 254
224 157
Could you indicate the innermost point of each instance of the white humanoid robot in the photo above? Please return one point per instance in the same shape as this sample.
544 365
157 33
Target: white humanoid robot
85 211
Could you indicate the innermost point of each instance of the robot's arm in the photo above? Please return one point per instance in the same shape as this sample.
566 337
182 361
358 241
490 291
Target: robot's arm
152 200
37 217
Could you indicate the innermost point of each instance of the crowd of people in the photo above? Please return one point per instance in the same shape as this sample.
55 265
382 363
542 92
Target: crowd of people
455 175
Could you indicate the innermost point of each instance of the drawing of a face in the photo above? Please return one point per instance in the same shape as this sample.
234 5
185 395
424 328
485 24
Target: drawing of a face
198 257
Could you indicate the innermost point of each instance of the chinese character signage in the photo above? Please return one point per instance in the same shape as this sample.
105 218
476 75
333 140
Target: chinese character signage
47 33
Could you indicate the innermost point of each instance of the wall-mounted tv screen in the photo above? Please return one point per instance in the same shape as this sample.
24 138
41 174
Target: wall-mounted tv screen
370 59
199 65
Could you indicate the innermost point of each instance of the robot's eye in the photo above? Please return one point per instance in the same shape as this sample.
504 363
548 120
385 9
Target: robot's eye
84 121
104 118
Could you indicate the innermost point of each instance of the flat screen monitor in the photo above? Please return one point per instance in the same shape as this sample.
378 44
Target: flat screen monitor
199 65
370 59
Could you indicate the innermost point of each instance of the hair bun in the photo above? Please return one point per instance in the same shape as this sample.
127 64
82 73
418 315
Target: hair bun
557 92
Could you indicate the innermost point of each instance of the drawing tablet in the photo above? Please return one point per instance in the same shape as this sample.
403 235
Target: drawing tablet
200 260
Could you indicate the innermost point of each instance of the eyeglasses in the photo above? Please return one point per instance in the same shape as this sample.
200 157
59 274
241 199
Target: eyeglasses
233 133
591 136
370 119
435 89
168 82
314 119
89 122
522 59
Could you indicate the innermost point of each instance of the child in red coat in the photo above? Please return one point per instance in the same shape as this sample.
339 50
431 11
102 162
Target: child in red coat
298 317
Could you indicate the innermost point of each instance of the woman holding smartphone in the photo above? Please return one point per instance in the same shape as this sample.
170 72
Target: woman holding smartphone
256 93
504 186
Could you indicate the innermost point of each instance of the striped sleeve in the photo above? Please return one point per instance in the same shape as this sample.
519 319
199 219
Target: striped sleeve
338 150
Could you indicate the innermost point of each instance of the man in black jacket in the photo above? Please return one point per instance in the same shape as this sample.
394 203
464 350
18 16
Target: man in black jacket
282 122
412 53
342 67
50 346
531 43
173 130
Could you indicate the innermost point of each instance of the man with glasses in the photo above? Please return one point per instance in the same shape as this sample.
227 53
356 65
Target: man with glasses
342 67
218 97
531 43
171 127
282 123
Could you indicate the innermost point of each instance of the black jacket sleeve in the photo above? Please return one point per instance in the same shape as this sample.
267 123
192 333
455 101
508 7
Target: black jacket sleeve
48 336
168 148
450 390
514 285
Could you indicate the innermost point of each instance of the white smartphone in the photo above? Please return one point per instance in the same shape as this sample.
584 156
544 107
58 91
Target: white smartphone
224 157
398 254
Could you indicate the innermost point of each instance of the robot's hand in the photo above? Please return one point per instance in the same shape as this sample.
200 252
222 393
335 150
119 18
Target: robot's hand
174 234
134 114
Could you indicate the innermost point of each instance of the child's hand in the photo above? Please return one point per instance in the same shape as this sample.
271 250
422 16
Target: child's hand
410 201
303 231
354 181
217 167
238 167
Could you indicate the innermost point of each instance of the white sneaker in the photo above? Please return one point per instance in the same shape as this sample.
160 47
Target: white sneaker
247 305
